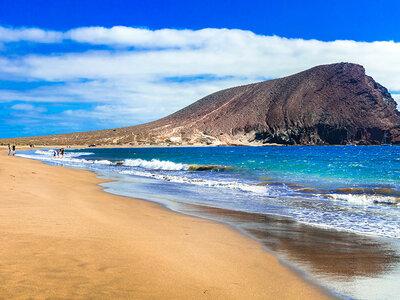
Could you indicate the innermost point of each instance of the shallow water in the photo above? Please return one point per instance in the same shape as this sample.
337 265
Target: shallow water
332 212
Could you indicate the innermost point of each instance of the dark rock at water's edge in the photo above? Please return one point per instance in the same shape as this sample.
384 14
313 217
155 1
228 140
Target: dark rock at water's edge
332 104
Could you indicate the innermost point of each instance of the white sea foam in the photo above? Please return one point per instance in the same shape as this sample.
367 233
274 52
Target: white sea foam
44 152
256 189
380 229
251 195
69 157
365 199
155 164
138 166
50 152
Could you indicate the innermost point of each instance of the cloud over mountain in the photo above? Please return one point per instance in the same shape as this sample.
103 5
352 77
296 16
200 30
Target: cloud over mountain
134 70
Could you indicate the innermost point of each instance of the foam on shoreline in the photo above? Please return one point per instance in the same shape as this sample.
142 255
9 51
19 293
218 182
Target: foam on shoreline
295 201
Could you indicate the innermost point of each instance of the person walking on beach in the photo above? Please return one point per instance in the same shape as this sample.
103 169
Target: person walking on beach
9 149
13 149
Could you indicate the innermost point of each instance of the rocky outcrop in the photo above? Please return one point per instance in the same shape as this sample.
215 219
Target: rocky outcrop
327 105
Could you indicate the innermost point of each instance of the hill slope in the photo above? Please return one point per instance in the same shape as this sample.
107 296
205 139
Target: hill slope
328 104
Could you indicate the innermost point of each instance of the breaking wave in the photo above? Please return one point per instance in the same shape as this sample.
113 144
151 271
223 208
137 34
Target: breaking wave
365 199
312 204
253 188
69 157
166 165
155 164
369 191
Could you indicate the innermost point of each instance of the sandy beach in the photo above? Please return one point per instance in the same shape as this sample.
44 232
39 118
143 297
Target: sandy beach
63 237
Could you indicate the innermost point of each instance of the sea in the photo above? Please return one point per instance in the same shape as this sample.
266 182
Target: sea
330 213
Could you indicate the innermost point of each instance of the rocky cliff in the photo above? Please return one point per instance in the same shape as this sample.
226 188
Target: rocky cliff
328 104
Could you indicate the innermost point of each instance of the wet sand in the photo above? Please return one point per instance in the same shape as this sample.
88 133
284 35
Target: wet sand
62 237
359 266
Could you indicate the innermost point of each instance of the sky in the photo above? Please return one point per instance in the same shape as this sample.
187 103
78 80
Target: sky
68 66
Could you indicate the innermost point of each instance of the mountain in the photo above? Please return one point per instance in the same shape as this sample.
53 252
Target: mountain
325 105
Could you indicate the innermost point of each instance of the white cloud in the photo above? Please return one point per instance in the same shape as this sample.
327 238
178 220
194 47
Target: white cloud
27 107
29 34
136 83
164 38
22 107
220 52
127 36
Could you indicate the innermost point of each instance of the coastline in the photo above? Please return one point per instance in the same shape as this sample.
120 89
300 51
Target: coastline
63 236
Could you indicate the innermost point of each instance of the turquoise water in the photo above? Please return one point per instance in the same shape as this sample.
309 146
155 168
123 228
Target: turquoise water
321 166
331 212
350 188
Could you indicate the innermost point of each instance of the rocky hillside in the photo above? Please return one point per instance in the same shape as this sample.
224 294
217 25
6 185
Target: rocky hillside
328 104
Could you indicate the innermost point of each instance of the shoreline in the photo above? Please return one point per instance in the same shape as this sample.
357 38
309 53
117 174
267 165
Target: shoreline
108 146
256 273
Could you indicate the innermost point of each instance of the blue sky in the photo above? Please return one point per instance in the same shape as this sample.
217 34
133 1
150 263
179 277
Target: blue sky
323 20
82 65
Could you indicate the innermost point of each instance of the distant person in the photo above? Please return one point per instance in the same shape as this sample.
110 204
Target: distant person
54 153
62 152
58 153
9 149
13 149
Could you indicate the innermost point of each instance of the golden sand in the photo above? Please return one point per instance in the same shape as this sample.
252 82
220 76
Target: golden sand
62 237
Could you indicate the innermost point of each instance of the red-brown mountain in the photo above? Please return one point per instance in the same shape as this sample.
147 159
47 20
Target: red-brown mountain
327 104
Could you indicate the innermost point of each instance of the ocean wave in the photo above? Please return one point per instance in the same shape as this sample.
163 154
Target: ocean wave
365 199
155 164
252 188
218 168
50 152
167 165
380 230
69 157
363 196
44 152
368 191
261 194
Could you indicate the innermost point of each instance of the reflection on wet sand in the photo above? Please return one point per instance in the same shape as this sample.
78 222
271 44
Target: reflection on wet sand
336 254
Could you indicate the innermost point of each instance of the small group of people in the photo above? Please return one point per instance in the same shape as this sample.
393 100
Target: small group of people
11 149
59 152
